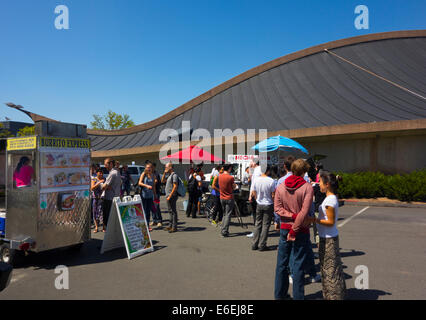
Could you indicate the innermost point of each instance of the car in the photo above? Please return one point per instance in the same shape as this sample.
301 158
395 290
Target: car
134 170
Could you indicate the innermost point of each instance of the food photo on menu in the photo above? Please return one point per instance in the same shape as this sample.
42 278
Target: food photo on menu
61 160
74 178
66 201
60 178
74 159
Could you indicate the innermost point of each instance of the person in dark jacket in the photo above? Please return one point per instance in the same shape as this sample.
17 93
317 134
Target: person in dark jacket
194 192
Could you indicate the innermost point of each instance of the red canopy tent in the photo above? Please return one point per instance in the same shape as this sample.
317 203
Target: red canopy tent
194 153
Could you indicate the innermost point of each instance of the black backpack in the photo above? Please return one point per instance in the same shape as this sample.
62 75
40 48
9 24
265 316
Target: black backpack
192 185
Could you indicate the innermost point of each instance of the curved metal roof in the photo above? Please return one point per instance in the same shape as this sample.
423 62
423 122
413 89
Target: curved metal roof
307 89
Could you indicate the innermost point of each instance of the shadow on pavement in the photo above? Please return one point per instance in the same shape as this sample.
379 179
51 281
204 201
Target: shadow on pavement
238 234
352 253
353 294
367 294
346 275
88 254
314 296
193 229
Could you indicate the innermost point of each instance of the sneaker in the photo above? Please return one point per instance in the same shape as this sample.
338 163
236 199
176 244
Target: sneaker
250 235
172 230
225 235
168 228
214 223
290 279
265 248
159 224
315 279
254 247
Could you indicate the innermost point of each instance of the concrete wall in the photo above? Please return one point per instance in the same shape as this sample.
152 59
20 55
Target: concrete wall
391 152
388 153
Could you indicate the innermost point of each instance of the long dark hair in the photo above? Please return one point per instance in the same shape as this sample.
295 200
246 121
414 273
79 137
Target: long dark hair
21 163
328 177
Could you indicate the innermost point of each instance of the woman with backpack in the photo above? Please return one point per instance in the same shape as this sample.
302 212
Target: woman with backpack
148 181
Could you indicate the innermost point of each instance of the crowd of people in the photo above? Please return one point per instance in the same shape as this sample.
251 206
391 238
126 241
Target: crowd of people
118 184
285 197
289 198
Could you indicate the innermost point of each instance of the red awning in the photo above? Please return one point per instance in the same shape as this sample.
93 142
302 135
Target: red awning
193 153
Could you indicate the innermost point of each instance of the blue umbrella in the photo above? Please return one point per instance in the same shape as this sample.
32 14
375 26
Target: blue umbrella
279 143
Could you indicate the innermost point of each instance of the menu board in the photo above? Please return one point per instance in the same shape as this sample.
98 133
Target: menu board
127 227
135 228
63 170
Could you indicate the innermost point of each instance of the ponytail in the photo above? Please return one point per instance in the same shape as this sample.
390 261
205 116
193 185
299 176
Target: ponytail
331 178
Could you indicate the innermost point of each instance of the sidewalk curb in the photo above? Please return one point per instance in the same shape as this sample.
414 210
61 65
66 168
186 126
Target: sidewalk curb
351 202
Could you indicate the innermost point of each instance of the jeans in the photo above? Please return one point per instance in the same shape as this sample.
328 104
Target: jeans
192 204
106 208
171 206
277 219
218 212
147 208
298 249
253 205
156 215
263 222
309 264
227 207
125 187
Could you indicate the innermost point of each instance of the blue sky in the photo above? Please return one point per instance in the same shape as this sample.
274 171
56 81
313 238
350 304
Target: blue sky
145 58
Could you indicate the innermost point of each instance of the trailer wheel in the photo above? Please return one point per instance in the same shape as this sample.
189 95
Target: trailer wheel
8 255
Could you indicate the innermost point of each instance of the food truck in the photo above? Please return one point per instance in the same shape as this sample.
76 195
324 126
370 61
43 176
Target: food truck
53 210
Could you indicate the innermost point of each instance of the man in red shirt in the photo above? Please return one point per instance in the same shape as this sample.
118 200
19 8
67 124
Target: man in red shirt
226 187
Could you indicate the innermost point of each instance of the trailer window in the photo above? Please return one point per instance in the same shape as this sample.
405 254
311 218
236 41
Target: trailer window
21 173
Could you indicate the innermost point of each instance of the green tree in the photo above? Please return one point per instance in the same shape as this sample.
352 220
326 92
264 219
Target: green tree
111 121
26 131
4 133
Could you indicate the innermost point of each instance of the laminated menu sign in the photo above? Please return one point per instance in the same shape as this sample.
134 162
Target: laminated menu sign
64 170
127 226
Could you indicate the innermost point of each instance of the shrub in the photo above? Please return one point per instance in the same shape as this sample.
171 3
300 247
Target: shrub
407 187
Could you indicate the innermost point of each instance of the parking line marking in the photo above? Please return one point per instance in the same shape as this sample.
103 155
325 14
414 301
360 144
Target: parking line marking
351 217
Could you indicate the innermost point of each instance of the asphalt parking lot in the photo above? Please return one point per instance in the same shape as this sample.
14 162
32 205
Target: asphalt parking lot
196 263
